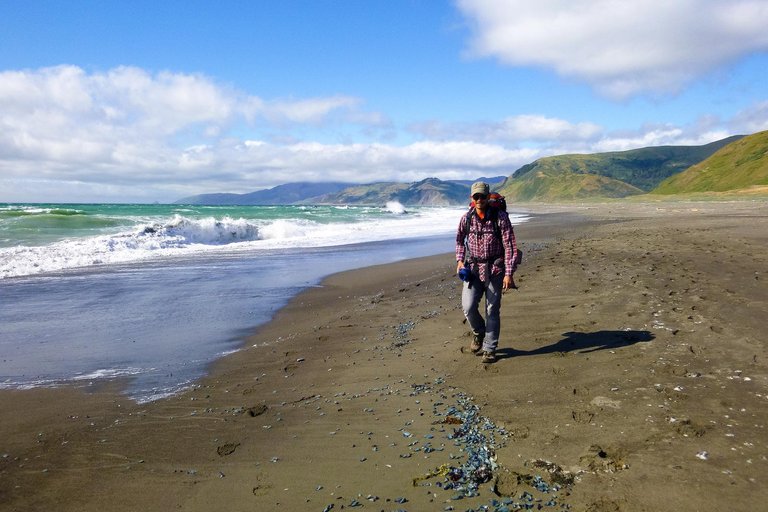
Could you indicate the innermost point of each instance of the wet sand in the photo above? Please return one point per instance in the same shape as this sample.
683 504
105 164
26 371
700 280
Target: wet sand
633 376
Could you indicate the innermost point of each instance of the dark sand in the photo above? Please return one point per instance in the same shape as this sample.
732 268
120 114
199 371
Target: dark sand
633 374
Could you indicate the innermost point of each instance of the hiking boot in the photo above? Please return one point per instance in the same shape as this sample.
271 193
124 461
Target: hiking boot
477 343
489 356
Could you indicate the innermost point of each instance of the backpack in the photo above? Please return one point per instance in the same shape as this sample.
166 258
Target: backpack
496 202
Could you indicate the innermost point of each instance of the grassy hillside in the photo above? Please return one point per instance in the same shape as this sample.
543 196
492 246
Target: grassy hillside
643 168
557 185
739 165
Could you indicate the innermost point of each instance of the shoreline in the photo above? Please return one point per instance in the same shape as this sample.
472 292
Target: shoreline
322 404
162 324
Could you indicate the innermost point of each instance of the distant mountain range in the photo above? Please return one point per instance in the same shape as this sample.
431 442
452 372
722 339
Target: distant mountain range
733 163
288 193
430 191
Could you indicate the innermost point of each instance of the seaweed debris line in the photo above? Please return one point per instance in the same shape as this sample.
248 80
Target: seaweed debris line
477 439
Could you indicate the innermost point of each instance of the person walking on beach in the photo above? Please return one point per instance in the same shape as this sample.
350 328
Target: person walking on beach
486 248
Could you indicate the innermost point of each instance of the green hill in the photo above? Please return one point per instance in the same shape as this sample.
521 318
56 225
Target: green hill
612 174
557 185
740 165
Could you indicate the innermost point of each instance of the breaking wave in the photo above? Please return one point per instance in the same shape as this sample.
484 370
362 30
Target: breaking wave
180 235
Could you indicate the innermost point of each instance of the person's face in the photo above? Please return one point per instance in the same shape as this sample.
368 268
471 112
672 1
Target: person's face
481 200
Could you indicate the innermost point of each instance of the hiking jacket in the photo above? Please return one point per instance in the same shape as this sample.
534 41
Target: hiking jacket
483 248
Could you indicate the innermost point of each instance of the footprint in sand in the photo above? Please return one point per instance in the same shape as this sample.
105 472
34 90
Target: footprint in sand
599 460
257 410
582 416
227 449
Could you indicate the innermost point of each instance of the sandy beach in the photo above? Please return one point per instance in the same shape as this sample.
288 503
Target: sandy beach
633 376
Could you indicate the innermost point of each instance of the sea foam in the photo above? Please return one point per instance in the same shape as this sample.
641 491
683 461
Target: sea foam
180 235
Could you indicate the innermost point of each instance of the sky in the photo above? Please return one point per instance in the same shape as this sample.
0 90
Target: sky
148 101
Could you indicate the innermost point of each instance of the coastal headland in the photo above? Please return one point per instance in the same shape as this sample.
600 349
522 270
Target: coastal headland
633 375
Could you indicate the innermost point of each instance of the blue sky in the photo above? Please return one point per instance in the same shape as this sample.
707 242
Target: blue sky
153 101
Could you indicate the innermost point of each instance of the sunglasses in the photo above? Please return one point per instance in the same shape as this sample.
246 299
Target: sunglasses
479 196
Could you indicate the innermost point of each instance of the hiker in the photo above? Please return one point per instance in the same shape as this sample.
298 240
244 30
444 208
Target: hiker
486 246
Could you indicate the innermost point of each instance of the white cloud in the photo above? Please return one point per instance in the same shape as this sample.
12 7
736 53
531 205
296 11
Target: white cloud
657 136
373 162
752 120
512 130
621 47
126 123
253 165
128 135
538 127
64 104
313 110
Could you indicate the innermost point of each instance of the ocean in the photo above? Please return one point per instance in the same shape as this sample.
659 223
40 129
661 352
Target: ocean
154 293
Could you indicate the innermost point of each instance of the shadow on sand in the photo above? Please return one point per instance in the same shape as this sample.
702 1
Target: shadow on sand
583 342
